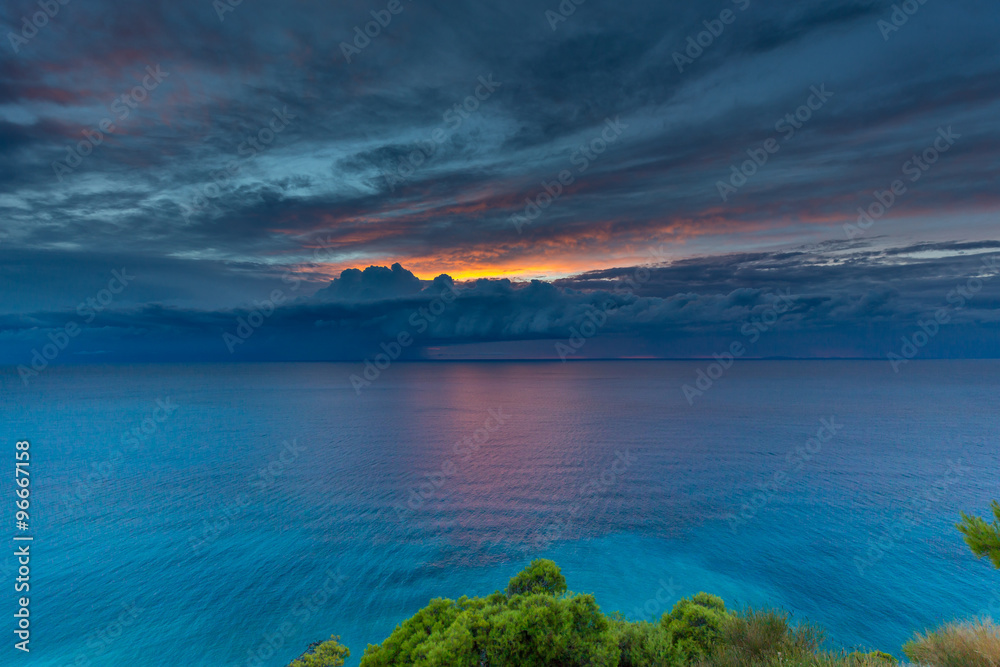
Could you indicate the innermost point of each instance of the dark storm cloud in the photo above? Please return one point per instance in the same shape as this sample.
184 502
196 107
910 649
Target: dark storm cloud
842 299
402 155
375 282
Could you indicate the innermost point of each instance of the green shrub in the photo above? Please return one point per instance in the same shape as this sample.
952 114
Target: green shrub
695 623
533 625
882 656
540 630
646 644
983 538
327 654
537 623
411 641
542 576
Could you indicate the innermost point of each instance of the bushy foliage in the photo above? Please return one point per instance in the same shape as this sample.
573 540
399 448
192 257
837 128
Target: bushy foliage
326 654
538 630
533 625
982 537
542 576
536 622
646 644
432 636
974 644
694 624
761 638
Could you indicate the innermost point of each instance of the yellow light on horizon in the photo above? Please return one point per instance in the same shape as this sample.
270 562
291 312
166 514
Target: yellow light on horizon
462 269
521 273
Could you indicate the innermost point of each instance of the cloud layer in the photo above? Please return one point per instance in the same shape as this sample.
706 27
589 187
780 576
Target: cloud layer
221 155
837 300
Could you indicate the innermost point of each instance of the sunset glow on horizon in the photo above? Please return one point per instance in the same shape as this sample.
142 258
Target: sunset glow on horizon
555 169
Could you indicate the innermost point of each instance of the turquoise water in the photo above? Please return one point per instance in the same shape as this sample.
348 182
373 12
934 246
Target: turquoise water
271 504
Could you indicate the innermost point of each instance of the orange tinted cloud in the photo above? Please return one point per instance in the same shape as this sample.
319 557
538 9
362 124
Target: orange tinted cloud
555 255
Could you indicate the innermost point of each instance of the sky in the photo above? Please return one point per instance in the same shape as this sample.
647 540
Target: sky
209 180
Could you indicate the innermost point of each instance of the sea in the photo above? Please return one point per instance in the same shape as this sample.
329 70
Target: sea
231 514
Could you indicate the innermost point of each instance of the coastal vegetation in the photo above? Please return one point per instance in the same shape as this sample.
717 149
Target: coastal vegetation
982 537
537 622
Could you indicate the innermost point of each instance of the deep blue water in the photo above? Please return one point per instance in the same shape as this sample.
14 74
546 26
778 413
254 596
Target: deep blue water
177 550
